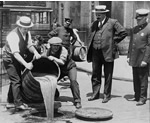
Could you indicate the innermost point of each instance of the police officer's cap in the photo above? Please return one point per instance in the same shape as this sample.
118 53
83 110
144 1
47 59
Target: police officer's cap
55 41
141 13
68 20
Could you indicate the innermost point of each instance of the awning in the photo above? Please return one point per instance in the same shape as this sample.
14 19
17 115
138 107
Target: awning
26 8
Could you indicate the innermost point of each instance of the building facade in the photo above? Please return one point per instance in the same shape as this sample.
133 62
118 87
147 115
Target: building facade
43 12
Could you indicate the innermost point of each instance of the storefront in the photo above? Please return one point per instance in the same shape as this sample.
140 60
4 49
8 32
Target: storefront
40 16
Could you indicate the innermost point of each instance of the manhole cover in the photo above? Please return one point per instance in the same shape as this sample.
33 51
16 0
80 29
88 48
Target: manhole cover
94 113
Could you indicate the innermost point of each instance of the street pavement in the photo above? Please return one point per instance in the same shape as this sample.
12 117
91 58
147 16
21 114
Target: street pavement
122 71
122 89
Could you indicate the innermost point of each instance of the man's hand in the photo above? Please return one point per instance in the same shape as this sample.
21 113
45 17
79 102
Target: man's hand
143 64
51 58
37 55
29 65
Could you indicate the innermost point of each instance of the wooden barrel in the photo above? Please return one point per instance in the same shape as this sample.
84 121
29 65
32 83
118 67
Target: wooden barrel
31 92
79 53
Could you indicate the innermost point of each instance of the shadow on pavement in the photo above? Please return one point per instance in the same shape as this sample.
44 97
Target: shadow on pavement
101 95
65 99
128 96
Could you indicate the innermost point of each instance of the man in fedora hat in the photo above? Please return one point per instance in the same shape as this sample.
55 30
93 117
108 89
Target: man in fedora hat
139 56
18 41
68 38
102 50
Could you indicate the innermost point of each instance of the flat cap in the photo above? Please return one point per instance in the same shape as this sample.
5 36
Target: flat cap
55 41
141 13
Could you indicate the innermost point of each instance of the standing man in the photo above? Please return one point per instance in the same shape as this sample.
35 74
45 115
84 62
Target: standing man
15 49
66 34
55 24
102 50
139 56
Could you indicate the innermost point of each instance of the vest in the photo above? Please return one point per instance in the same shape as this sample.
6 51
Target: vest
97 40
22 44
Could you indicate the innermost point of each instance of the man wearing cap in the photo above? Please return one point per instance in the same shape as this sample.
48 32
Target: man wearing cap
59 54
139 56
66 34
18 42
102 50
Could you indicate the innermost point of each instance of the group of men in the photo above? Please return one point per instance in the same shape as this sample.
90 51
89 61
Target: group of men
104 35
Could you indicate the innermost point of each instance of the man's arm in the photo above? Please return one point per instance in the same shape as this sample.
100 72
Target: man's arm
62 59
32 48
146 57
53 33
19 58
120 32
77 35
73 37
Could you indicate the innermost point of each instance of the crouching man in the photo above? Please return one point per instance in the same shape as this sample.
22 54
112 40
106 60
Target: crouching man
59 54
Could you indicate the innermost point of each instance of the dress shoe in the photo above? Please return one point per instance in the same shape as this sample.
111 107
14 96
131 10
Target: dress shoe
132 99
10 105
23 106
78 105
105 100
141 102
93 98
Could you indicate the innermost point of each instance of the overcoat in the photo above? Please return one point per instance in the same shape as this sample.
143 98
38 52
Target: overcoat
139 46
112 33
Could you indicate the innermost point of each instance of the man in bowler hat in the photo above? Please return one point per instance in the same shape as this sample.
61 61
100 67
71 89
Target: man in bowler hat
104 34
139 56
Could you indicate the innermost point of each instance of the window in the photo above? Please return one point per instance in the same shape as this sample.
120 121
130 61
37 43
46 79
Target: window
40 17
16 15
37 17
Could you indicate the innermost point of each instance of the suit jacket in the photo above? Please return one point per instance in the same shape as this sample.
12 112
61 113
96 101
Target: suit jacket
139 46
112 32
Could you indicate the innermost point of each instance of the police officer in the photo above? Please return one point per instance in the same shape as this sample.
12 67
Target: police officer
66 34
139 56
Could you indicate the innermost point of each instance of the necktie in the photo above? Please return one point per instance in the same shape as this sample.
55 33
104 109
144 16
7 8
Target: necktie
100 25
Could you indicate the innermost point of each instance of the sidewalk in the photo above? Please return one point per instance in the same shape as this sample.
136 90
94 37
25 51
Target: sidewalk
123 110
122 71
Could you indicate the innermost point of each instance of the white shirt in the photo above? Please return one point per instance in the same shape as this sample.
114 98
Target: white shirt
13 41
102 22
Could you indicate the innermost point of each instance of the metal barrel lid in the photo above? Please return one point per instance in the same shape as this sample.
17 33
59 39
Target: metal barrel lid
93 113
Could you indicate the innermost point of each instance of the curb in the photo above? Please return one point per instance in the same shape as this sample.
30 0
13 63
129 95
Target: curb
114 77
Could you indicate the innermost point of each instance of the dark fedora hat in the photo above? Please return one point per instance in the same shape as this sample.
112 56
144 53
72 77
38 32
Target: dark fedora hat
100 9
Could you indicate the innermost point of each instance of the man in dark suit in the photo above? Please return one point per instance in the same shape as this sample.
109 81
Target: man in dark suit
139 56
102 50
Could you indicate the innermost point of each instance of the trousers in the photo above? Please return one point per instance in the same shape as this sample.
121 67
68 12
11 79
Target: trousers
97 62
140 82
69 69
13 68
